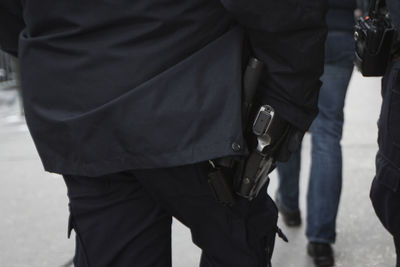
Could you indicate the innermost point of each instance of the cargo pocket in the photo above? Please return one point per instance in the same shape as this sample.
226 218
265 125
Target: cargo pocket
70 226
262 227
81 256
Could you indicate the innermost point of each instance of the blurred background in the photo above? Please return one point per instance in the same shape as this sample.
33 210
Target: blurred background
34 209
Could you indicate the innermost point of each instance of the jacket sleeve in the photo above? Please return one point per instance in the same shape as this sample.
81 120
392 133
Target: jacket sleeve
11 24
288 37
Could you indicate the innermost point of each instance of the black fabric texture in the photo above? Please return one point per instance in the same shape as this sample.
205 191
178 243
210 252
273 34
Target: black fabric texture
11 24
385 190
151 84
124 219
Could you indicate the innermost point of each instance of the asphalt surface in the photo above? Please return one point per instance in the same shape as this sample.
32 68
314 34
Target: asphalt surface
34 211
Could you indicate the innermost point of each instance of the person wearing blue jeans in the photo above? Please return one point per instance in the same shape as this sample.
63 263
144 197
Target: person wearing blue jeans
326 169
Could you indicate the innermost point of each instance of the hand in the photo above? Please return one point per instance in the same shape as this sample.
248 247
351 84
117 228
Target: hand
290 144
285 139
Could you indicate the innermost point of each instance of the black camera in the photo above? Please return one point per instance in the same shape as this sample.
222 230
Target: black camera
374 35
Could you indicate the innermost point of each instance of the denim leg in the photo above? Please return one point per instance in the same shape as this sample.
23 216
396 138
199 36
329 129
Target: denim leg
289 174
326 169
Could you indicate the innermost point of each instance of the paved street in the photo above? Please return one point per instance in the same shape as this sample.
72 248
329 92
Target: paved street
34 214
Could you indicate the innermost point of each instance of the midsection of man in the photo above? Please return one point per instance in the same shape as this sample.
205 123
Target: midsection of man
102 76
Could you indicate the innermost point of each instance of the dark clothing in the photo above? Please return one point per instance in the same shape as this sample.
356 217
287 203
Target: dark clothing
385 191
394 10
340 15
11 23
387 205
124 220
397 244
139 86
116 85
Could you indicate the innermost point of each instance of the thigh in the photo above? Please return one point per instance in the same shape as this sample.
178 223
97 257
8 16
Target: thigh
329 121
239 236
117 223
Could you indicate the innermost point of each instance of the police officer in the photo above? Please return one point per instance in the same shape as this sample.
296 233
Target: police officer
385 190
129 100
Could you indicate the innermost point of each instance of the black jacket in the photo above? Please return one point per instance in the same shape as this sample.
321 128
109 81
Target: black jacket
112 85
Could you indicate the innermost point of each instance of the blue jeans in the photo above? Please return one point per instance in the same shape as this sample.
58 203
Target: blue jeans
326 169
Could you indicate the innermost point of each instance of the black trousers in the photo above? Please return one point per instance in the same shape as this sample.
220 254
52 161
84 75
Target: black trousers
124 219
385 190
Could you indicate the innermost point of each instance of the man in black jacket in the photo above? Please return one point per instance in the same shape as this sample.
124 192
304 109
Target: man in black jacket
385 190
128 100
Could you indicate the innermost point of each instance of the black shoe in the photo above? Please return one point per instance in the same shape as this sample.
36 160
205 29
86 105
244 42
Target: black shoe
322 254
290 218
